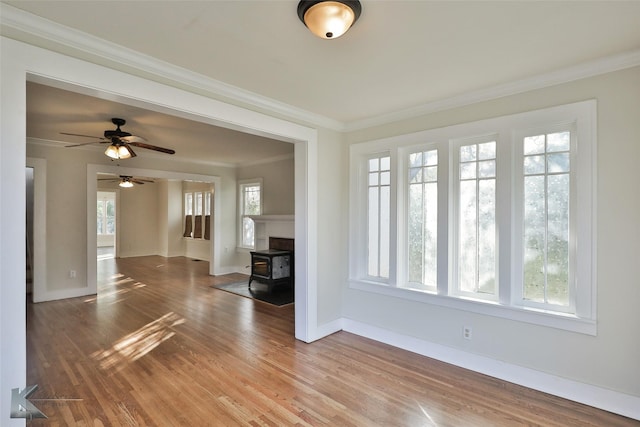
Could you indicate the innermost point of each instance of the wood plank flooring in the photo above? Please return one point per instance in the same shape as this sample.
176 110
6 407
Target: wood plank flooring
159 347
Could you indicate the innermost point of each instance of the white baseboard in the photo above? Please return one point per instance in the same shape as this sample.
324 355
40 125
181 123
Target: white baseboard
62 294
608 400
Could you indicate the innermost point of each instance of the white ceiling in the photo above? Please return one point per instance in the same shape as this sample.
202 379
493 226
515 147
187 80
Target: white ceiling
399 55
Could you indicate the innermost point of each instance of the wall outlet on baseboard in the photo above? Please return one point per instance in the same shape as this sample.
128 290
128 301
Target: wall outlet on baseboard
466 332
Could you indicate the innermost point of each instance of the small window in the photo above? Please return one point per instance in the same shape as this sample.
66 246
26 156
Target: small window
250 202
379 202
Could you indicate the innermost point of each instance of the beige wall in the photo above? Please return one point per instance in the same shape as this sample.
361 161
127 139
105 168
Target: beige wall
277 184
608 360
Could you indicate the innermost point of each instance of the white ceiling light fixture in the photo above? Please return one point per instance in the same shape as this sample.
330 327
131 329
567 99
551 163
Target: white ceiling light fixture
329 19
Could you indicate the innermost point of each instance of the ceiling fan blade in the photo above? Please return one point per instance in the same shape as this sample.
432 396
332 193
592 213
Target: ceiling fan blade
78 134
135 181
133 154
133 138
153 147
108 179
80 145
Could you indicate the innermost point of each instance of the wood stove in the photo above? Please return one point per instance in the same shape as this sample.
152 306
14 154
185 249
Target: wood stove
273 266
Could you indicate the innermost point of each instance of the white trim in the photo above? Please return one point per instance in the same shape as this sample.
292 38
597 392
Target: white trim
39 228
556 320
129 59
24 22
565 75
608 400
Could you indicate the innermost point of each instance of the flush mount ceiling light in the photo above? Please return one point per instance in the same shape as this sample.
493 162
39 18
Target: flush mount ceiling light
329 19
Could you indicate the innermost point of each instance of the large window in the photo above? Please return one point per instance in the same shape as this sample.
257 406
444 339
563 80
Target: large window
250 203
494 216
197 214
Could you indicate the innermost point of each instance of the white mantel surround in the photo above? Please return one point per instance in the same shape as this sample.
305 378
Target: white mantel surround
272 226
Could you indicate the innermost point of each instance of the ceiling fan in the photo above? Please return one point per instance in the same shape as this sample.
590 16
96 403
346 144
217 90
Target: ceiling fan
127 181
121 142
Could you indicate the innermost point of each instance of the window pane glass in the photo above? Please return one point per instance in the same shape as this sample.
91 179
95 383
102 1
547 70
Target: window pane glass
560 141
374 222
207 203
431 158
198 203
111 217
252 200
546 225
415 175
558 162
373 178
248 232
415 159
487 150
385 178
422 217
468 170
385 209
468 153
385 163
487 169
188 204
477 221
486 236
534 144
558 240
534 238
468 246
100 216
533 165
374 164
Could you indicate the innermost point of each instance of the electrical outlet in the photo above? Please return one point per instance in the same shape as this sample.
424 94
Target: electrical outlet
466 332
72 274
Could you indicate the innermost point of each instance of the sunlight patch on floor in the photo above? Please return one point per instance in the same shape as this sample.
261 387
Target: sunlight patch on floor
137 344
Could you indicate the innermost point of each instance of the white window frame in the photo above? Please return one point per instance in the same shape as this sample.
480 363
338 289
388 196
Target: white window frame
241 214
508 132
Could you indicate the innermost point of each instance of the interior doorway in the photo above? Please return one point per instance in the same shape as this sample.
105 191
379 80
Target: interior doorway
106 225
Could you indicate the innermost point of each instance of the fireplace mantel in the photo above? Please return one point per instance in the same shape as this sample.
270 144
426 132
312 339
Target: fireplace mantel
272 226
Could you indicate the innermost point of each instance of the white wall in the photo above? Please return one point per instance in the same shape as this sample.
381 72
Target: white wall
608 360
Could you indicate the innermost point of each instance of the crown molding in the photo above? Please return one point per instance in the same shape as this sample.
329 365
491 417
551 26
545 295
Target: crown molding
25 22
565 75
21 21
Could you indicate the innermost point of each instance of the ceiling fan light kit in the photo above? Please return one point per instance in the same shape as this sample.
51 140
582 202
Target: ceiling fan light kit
329 19
117 151
125 183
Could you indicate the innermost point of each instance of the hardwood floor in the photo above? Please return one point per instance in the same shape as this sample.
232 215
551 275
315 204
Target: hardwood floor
159 347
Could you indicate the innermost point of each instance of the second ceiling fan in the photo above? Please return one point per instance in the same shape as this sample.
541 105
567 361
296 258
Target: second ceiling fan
121 142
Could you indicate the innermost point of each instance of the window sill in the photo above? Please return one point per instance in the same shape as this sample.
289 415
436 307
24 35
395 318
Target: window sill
567 322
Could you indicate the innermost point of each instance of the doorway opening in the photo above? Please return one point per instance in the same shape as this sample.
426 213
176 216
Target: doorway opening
106 225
